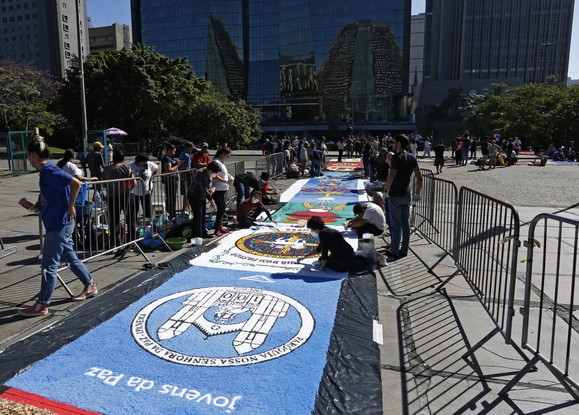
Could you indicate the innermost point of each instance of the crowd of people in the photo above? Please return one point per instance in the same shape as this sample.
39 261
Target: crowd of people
194 175
204 180
389 211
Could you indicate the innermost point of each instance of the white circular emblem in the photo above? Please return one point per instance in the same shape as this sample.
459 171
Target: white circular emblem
241 322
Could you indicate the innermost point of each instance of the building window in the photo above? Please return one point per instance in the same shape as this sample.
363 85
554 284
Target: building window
66 45
64 18
67 54
65 27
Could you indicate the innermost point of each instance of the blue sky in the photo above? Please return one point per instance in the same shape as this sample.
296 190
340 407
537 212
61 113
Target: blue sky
107 12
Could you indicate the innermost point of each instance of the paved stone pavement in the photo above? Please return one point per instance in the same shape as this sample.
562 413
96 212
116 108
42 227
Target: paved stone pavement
425 333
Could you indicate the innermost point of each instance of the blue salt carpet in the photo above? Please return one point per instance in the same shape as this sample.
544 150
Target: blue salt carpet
208 341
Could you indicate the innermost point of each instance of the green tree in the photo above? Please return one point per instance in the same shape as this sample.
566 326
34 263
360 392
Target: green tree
539 113
26 97
151 96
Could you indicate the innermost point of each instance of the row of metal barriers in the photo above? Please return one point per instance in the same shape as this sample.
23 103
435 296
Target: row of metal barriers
138 213
483 237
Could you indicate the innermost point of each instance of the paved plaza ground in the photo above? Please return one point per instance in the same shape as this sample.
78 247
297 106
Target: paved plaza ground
425 334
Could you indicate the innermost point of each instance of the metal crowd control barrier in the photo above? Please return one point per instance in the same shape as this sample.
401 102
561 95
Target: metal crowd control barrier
274 164
435 214
414 203
106 218
551 275
487 243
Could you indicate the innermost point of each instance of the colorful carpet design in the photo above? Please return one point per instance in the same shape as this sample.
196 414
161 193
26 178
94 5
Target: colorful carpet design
332 213
244 330
347 165
205 342
266 247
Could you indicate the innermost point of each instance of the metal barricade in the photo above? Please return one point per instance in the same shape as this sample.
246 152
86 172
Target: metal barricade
107 218
487 242
436 214
274 164
551 289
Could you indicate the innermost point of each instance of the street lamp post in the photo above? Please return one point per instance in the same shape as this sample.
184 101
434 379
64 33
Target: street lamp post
81 77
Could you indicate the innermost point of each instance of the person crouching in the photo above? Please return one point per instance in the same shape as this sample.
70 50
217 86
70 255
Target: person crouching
336 253
250 209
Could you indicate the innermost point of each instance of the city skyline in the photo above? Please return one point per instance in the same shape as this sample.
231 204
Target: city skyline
107 12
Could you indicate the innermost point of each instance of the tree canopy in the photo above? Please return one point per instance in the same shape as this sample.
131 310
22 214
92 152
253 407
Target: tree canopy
151 96
541 113
26 96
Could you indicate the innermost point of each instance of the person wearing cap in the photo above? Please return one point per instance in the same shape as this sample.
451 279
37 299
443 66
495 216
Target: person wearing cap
201 159
95 161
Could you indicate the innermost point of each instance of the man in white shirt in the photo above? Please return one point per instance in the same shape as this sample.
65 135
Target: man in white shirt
369 219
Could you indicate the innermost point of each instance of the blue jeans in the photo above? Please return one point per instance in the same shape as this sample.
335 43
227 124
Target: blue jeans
315 168
242 191
399 211
58 247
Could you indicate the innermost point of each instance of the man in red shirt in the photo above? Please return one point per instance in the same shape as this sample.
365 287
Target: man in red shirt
201 158
250 209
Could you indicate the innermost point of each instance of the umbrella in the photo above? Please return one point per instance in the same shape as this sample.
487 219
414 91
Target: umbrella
115 131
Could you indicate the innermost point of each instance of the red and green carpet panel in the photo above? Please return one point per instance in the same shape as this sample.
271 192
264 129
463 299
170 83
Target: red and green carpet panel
334 214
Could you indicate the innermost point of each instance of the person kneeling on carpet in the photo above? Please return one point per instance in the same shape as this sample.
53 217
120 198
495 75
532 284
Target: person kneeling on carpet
250 209
337 254
369 218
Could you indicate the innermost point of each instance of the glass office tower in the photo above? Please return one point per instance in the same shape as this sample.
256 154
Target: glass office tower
299 61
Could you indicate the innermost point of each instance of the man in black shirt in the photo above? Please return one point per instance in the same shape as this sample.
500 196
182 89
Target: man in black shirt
337 254
439 157
398 188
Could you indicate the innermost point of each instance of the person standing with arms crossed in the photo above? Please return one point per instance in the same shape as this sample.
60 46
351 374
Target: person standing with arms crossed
399 197
58 192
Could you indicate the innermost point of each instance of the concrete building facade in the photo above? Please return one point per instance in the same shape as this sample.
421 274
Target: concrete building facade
114 37
43 33
524 40
471 44
416 59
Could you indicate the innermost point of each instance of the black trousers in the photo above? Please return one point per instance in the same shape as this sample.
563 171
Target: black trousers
198 208
369 228
219 199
